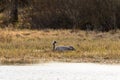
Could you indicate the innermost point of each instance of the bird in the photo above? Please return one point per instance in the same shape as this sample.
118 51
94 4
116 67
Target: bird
62 48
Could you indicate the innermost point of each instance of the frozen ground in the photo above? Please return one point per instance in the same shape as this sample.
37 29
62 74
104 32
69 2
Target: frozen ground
61 71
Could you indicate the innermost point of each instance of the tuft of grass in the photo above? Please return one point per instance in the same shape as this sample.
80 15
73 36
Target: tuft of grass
30 46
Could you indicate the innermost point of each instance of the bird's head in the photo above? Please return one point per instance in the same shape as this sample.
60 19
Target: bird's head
54 42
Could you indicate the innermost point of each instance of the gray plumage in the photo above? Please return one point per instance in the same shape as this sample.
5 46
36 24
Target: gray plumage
62 48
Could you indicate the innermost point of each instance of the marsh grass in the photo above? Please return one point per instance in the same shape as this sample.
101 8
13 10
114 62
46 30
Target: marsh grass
31 46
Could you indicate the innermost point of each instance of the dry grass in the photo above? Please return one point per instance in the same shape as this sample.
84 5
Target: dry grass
30 46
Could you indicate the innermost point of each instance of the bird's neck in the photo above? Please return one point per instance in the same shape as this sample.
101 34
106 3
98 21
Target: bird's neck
53 47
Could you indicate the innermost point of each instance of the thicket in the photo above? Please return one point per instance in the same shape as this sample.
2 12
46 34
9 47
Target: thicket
100 15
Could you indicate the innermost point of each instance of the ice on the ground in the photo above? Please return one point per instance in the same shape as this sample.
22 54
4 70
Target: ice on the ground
61 71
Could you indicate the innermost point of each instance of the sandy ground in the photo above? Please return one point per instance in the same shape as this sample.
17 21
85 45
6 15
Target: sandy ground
61 71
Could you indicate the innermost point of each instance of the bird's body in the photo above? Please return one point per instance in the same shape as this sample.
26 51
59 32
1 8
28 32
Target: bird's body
62 48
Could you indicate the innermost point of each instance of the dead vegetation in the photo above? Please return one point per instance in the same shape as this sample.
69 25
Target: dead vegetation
31 46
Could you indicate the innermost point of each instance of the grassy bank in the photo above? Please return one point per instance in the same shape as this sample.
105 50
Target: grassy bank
32 46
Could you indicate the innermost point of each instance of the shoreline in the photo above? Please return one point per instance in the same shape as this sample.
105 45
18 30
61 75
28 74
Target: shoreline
37 61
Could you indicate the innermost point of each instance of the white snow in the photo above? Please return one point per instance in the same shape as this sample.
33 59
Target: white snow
61 71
